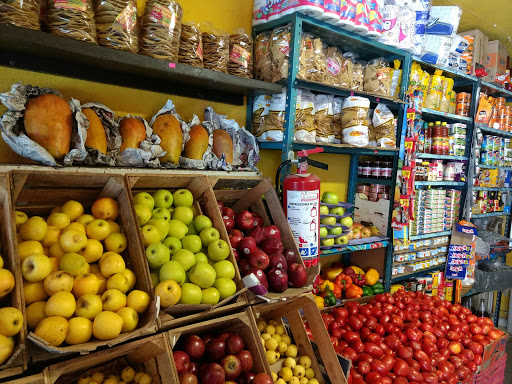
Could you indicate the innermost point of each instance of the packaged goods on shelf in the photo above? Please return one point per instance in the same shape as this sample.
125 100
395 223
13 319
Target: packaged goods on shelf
435 170
215 49
495 150
355 121
491 201
305 117
21 13
191 45
423 243
442 138
116 24
280 52
323 118
240 54
75 21
494 113
262 57
477 49
496 63
375 170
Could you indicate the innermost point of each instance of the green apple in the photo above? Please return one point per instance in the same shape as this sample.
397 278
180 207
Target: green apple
190 294
162 225
329 220
224 268
185 258
145 199
150 235
330 198
203 275
161 213
226 287
192 229
218 250
192 243
173 243
322 232
201 257
347 221
172 270
208 235
154 278
143 214
327 242
335 231
337 211
324 210
183 198
341 240
177 229
202 222
157 255
163 198
210 296
183 214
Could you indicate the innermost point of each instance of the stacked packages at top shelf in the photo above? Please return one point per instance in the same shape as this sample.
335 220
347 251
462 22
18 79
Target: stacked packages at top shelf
494 113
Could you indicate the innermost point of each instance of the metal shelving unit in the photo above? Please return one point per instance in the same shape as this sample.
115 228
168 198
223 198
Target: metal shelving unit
422 272
490 214
449 117
493 189
451 184
441 157
430 235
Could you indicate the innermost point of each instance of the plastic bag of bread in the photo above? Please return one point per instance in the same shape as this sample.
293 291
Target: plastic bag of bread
260 111
161 29
337 127
191 45
71 19
215 48
323 118
384 124
116 24
334 63
280 52
42 126
22 13
312 61
305 117
240 54
377 77
274 123
354 120
262 57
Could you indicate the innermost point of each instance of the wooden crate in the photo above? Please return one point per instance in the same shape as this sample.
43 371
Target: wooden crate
258 195
242 324
39 378
181 314
293 313
38 194
151 355
17 363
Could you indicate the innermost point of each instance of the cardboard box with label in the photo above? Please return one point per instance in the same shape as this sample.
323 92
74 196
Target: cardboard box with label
496 63
477 50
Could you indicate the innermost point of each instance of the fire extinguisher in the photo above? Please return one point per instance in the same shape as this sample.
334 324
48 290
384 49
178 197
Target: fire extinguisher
300 196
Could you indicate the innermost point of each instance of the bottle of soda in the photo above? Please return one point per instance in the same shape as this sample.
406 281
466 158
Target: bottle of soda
482 310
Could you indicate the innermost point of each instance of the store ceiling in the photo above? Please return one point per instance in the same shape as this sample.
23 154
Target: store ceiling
483 15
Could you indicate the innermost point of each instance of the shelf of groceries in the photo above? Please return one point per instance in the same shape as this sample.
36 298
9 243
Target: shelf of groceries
421 272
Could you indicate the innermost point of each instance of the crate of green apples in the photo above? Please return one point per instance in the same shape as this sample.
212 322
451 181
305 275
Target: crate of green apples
335 221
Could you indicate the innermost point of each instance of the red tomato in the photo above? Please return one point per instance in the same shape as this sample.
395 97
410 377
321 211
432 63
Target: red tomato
372 376
475 329
365 311
397 321
430 378
333 326
445 352
355 323
456 361
340 312
453 336
361 317
471 318
413 364
401 368
373 350
495 334
405 352
442 343
478 359
334 341
363 367
412 334
438 357
389 361
379 330
339 349
466 341
379 367
357 346
392 341
486 328
468 353
336 333
414 375
349 353
364 357
371 322
402 337
386 380
373 338
415 345
472 366
384 319
380 298
377 312
478 338
463 372
350 337
420 355
364 332
455 347
328 319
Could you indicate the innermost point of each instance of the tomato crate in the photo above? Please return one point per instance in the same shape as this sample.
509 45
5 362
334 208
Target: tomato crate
493 352
151 355
39 378
204 202
17 362
293 314
37 194
258 195
493 374
242 324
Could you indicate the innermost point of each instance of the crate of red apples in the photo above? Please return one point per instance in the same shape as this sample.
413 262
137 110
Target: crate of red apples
410 337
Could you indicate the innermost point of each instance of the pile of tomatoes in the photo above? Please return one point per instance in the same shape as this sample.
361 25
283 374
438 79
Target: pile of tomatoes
409 337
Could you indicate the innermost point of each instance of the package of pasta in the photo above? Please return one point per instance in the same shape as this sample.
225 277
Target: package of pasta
323 118
71 19
384 126
334 64
354 119
377 77
262 58
337 127
435 93
274 123
240 54
116 24
161 29
280 52
305 118
20 13
260 111
372 133
191 45
312 62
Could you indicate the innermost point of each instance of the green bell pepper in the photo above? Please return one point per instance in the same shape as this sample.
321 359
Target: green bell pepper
367 291
377 288
329 297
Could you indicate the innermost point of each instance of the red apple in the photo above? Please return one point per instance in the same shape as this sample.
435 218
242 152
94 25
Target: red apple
232 367
215 349
244 220
271 245
297 275
258 259
194 347
272 231
187 378
246 378
245 358
246 246
258 220
262 378
290 255
228 212
244 267
277 260
234 344
193 367
224 335
181 360
234 237
278 279
221 206
257 233
206 337
260 275
236 255
213 373
229 223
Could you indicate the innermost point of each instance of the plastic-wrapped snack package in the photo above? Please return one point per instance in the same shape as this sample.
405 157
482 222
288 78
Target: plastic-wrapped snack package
312 61
354 120
396 80
116 24
334 62
259 12
372 133
274 123
435 93
384 126
444 21
240 54
323 118
337 127
305 56
415 77
305 123
191 45
348 14
377 77
21 13
215 49
260 111
453 102
280 52
445 98
346 73
358 76
262 58
71 19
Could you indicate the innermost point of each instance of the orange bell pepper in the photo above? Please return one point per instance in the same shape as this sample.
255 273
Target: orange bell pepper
353 292
337 291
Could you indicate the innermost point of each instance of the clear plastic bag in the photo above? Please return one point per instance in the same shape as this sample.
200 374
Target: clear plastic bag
191 45
357 75
161 29
323 118
384 126
305 117
116 24
262 58
20 13
72 19
312 61
377 77
280 52
240 54
334 64
337 127
260 111
215 49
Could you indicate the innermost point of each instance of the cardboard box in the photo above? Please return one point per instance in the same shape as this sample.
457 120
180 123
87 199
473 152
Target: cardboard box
493 352
39 378
477 49
496 60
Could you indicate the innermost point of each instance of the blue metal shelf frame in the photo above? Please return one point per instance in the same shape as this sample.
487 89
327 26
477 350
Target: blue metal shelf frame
490 214
433 115
484 166
441 157
492 189
431 235
451 184
425 271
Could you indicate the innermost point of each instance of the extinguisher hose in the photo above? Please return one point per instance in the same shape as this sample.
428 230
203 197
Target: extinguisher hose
279 188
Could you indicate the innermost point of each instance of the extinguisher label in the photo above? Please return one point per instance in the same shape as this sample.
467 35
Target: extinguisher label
303 216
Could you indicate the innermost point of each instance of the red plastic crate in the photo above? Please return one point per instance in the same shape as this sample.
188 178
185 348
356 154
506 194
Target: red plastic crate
492 375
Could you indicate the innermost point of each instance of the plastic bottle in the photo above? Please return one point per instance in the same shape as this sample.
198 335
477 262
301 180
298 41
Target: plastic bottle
445 136
437 140
482 310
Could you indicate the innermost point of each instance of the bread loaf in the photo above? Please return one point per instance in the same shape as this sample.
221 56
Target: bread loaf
168 128
96 137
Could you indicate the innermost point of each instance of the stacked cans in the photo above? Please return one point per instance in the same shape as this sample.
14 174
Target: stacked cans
496 150
451 208
457 140
501 117
436 210
463 104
